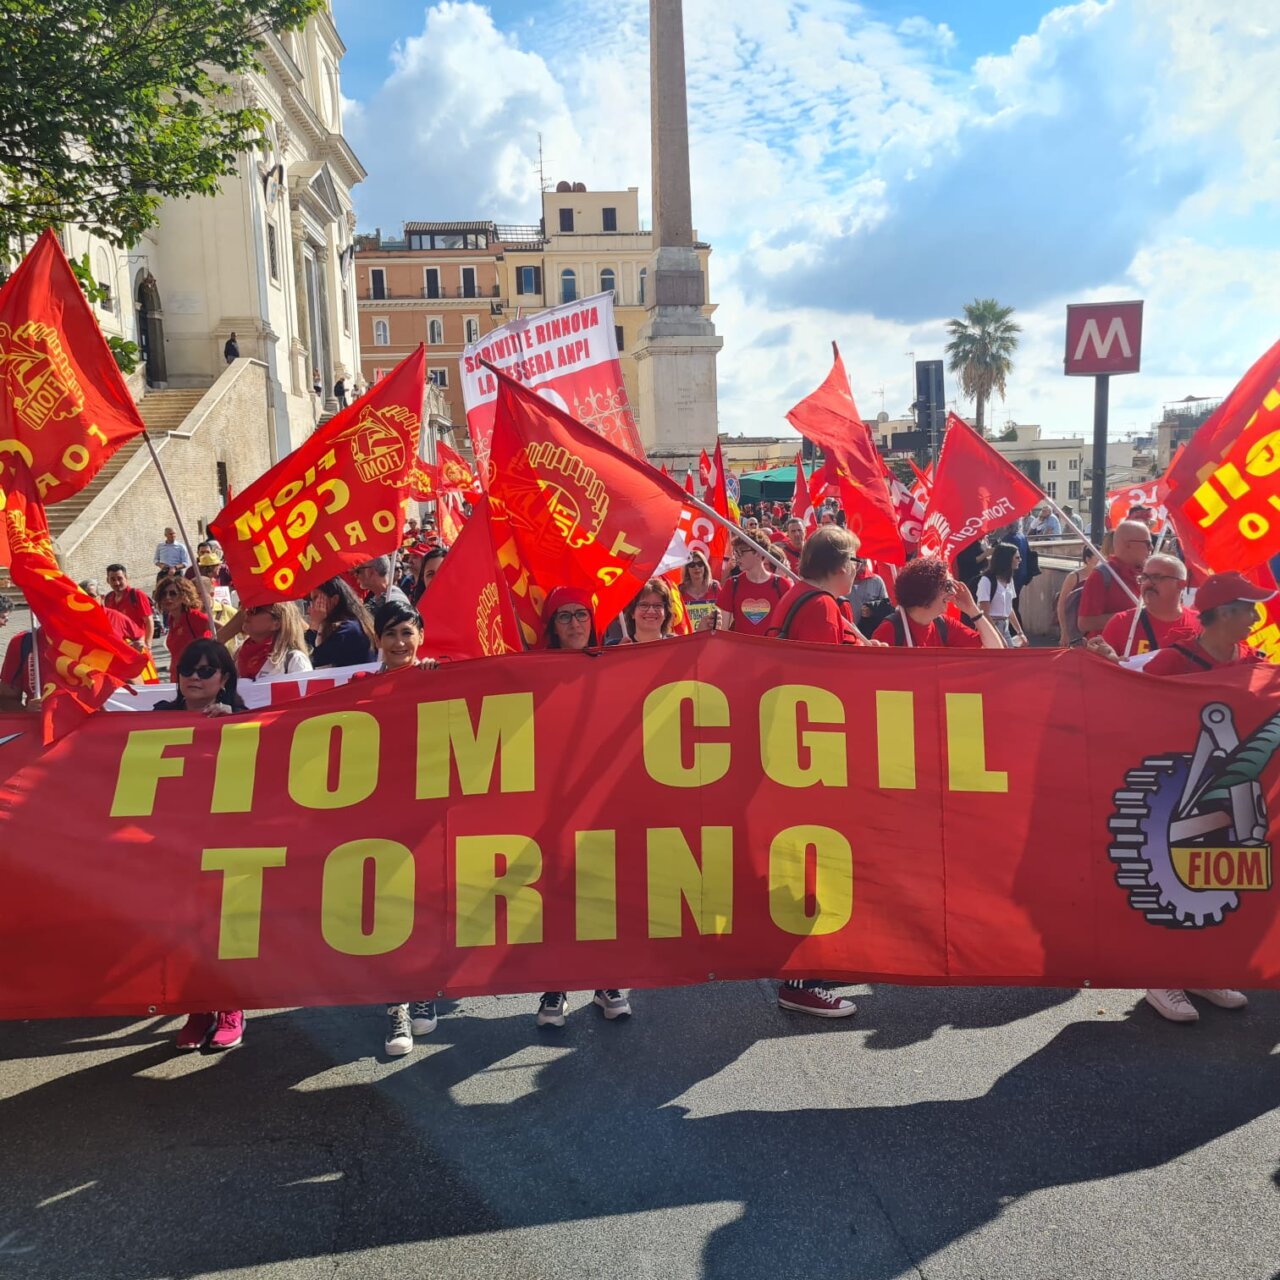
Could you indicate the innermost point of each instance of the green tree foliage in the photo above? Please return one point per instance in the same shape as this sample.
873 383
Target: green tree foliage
125 352
981 351
109 107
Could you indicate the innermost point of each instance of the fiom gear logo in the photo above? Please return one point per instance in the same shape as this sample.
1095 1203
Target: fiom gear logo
1189 832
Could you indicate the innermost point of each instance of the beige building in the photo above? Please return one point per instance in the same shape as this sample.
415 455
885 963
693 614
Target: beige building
744 454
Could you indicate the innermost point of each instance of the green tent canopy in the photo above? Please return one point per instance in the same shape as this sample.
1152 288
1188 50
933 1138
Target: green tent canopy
775 485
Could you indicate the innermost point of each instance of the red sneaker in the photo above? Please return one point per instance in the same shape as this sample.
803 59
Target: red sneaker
817 1001
194 1031
230 1030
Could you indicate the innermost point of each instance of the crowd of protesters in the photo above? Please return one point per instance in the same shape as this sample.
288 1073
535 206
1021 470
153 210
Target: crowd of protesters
780 579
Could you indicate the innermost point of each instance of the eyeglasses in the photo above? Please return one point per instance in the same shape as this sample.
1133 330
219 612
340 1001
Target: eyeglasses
651 607
1157 577
168 595
566 616
204 672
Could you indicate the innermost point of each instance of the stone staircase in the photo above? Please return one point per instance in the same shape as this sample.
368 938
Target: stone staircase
162 411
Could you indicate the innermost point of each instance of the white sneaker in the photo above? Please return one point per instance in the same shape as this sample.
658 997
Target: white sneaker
1223 997
422 1017
1173 1005
399 1032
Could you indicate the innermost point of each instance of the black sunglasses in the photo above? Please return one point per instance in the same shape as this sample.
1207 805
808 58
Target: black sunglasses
203 672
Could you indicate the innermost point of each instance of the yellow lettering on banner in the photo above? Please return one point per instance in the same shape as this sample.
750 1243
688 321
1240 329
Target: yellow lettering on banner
236 767
307 557
781 737
967 747
596 885
142 764
96 432
240 921
833 883
75 457
385 521
1263 458
479 883
675 876
358 735
355 533
339 495
503 736
664 745
342 895
896 739
301 518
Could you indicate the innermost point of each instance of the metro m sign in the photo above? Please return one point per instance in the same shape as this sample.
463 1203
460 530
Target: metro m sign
1103 337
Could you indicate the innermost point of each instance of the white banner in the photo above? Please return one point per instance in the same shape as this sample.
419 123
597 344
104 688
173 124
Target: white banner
272 691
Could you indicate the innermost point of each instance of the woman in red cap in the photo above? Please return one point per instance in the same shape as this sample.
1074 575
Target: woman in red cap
1228 607
570 614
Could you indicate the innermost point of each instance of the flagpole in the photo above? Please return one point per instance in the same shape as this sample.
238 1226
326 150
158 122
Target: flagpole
201 586
1084 537
735 532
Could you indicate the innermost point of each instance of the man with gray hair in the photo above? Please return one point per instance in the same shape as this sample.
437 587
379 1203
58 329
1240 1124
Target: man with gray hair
374 577
1162 620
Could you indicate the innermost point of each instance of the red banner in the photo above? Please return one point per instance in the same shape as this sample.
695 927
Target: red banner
715 806
64 408
335 501
1121 501
974 491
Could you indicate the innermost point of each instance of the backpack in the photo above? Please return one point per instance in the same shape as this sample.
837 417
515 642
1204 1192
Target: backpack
900 630
1071 610
796 605
1194 657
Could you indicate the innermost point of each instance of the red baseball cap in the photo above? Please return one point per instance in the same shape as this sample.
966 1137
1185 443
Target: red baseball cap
1228 588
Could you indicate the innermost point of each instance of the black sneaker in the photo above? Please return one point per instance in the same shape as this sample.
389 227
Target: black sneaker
422 1017
399 1031
552 1008
613 1003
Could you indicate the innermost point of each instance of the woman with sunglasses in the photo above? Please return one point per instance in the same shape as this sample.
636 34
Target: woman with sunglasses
342 627
206 679
568 611
924 589
186 623
275 641
699 589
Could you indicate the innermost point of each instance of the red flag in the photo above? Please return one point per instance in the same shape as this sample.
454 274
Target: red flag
705 478
830 419
974 490
466 612
688 483
924 479
955 420
908 510
664 471
453 472
1265 637
1224 487
821 480
82 662
801 507
63 404
449 517
580 511
334 502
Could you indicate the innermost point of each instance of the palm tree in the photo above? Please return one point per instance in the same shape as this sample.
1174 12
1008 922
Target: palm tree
981 351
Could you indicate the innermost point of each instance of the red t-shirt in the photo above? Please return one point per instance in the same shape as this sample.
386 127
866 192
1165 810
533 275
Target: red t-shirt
1180 631
959 635
192 625
124 627
822 619
750 603
1175 662
1102 592
134 604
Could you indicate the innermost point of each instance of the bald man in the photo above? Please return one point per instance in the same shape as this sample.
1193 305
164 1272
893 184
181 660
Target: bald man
1163 619
1104 593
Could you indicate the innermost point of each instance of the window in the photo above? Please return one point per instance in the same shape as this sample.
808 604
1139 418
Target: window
568 285
1074 465
471 327
469 283
381 333
273 252
477 240
379 374
435 332
617 338
440 377
1051 465
644 279
431 282
528 280
610 219
1073 488
609 282
448 242
377 283
418 241
566 219
1051 489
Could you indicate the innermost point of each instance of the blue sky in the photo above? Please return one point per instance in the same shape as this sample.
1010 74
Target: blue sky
863 170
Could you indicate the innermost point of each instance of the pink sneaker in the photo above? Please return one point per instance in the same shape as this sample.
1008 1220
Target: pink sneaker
230 1030
194 1031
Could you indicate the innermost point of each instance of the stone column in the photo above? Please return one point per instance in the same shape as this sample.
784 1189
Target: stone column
676 354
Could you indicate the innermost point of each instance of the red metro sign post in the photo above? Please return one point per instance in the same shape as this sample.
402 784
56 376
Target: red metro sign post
1102 338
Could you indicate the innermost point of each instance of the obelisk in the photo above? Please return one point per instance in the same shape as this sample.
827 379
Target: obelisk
676 353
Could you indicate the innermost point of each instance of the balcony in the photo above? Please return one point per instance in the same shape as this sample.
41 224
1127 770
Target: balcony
477 292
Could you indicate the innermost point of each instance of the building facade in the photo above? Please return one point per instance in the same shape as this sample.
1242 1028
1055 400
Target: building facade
268 258
440 282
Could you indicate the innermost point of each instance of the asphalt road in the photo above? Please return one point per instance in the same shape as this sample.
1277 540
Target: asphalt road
946 1134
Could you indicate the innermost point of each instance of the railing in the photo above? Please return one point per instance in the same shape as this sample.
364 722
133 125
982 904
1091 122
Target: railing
476 292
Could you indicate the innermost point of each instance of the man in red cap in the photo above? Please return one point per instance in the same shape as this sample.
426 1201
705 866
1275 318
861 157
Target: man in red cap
1228 607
